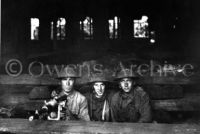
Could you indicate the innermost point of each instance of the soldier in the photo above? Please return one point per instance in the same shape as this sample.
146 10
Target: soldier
71 105
132 103
98 103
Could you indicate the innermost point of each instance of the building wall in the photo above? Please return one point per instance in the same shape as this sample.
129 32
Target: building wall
175 42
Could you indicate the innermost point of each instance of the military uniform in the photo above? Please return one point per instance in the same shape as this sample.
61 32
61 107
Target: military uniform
99 108
77 107
73 105
64 105
131 107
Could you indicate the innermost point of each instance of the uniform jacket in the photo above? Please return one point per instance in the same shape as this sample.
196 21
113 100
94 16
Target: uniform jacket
77 105
99 108
131 107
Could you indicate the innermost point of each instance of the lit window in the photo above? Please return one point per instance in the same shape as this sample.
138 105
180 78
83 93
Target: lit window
114 28
35 28
86 28
61 22
52 31
60 29
141 28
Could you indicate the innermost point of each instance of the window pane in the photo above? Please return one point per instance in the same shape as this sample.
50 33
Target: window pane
86 28
141 28
114 28
61 29
111 28
35 29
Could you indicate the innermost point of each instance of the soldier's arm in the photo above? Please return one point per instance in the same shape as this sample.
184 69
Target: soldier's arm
145 109
83 114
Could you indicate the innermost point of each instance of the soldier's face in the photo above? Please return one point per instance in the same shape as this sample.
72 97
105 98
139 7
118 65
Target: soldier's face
126 84
67 84
99 88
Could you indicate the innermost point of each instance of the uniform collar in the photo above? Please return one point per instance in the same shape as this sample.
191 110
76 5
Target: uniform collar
69 95
126 95
99 99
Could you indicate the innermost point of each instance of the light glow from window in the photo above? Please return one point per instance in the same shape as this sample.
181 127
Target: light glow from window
61 23
141 28
86 27
35 28
114 28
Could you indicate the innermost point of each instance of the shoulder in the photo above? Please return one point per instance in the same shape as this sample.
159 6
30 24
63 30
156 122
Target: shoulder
115 96
87 95
109 95
140 91
79 96
77 93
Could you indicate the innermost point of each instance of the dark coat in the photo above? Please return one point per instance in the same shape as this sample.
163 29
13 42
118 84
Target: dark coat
99 108
131 107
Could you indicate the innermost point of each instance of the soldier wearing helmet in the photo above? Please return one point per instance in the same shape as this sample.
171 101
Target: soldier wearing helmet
131 103
98 103
75 103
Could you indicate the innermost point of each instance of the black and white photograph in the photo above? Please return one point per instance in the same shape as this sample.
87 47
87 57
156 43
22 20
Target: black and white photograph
100 66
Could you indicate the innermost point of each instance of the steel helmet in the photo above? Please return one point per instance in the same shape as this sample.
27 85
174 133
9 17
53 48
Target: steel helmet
98 78
126 73
68 72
